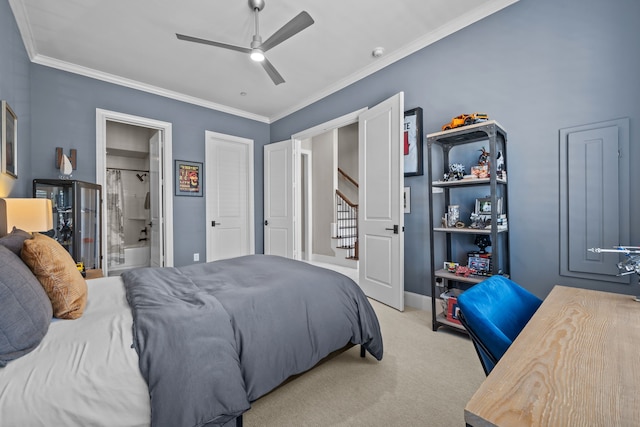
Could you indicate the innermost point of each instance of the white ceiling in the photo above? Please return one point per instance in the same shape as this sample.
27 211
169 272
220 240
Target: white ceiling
133 43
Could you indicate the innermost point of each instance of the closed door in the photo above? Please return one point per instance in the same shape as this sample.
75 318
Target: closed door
278 199
229 178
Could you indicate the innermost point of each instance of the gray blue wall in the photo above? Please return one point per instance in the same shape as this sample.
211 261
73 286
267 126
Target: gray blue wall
536 67
63 107
14 88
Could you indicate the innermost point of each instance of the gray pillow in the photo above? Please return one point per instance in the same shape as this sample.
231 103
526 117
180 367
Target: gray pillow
25 308
15 240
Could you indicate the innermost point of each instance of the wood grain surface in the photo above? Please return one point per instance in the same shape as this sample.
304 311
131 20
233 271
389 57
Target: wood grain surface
576 363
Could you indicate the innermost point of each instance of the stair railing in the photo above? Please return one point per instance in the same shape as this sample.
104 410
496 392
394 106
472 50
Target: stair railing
347 225
346 176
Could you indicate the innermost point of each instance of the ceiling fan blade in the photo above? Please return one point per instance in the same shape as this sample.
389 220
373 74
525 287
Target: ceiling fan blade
212 43
270 69
291 28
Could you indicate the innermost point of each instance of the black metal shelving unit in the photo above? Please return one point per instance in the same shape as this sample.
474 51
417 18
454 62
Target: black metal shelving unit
454 145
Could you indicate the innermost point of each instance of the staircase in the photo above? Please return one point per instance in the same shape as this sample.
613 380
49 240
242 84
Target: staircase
346 227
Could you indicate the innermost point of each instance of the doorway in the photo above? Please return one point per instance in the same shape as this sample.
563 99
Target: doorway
135 151
320 152
380 214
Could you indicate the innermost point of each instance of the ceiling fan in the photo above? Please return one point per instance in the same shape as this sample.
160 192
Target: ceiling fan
258 48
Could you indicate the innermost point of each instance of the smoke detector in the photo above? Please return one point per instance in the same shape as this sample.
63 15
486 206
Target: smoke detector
377 52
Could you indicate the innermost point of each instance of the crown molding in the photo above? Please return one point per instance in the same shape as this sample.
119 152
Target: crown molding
133 84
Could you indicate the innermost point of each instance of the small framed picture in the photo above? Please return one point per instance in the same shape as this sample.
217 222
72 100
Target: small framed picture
9 136
483 206
188 178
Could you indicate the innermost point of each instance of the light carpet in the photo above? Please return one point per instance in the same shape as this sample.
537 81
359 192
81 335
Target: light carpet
424 379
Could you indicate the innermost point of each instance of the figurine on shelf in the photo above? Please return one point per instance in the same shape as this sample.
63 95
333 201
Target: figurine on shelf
464 271
501 172
482 241
65 231
477 221
456 172
484 157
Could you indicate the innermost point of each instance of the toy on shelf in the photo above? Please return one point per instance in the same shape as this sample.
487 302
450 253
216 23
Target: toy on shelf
465 120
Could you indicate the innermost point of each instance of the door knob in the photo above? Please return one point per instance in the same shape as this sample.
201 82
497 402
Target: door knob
266 222
213 223
394 229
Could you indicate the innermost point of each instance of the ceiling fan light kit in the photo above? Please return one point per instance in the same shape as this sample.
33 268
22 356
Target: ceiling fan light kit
258 48
257 55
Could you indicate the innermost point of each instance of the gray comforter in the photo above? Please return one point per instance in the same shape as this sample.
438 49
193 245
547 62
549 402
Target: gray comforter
214 337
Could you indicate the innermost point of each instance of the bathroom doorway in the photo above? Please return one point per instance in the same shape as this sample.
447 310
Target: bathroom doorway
133 156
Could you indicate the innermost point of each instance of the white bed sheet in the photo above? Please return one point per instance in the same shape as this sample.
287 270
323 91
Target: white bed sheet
83 373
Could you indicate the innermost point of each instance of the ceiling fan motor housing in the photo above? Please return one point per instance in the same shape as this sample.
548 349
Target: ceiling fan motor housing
256 4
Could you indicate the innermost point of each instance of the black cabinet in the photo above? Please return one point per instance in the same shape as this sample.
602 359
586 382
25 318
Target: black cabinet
481 205
77 209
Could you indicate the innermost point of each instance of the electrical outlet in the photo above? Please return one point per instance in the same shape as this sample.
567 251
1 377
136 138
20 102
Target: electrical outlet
196 257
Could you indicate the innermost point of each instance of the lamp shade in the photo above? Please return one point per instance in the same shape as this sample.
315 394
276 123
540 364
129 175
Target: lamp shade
30 215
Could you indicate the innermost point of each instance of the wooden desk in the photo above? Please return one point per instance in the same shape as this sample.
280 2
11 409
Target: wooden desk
576 363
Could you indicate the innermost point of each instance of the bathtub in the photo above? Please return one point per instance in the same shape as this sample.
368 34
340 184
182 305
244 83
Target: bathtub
136 255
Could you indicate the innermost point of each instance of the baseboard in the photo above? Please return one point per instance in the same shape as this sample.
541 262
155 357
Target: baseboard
418 301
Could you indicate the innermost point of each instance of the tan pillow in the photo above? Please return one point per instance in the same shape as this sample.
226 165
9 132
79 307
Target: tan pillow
57 273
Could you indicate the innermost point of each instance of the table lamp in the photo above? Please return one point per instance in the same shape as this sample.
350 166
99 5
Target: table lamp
32 215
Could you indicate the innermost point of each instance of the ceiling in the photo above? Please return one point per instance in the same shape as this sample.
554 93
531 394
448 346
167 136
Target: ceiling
133 43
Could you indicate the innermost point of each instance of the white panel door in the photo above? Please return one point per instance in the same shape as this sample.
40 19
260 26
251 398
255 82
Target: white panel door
229 178
155 201
279 188
381 213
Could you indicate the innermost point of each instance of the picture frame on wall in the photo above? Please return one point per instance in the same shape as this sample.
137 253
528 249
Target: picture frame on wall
413 141
9 136
188 176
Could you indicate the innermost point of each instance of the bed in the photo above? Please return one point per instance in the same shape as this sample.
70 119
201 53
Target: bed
189 346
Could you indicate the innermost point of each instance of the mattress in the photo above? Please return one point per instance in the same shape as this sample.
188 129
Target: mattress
83 373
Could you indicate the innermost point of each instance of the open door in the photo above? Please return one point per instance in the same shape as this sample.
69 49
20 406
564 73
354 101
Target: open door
155 201
279 188
381 233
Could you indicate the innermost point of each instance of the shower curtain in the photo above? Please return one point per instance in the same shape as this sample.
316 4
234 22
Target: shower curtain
115 213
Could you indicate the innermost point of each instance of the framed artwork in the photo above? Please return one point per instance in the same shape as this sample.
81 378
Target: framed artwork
483 206
188 178
412 145
9 137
